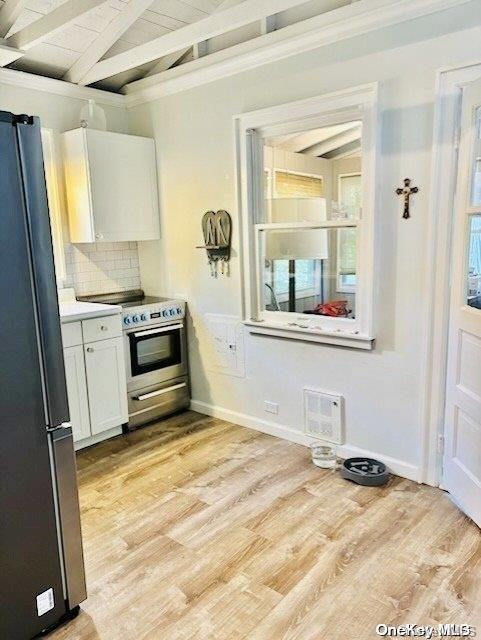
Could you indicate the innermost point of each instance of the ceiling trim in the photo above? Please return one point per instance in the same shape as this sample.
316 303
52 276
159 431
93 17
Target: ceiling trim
59 87
340 24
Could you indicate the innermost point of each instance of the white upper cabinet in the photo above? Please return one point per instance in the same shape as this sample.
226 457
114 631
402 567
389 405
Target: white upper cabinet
111 182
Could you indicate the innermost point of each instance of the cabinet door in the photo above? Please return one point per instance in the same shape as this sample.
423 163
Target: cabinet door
106 383
77 392
123 182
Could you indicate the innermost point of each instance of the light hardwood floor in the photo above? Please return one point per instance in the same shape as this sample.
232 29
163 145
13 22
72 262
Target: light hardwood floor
197 529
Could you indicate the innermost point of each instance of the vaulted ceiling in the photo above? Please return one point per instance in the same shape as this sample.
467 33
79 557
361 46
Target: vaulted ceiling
337 141
108 43
111 43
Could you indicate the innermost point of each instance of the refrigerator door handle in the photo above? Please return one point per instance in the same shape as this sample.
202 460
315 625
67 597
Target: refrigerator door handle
64 425
69 513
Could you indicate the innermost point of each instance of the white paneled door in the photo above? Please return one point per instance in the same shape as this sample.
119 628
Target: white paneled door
462 457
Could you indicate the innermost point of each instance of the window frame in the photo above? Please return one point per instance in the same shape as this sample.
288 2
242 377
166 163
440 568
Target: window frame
357 103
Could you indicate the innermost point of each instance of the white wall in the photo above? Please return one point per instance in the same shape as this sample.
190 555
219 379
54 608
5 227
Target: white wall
196 157
90 268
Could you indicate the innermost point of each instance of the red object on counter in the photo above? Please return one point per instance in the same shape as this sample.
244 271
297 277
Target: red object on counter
335 308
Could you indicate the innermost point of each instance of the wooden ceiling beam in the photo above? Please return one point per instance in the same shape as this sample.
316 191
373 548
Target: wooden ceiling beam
213 25
335 142
168 61
8 54
122 21
40 29
9 13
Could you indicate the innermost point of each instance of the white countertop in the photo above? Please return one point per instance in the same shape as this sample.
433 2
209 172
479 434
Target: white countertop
73 311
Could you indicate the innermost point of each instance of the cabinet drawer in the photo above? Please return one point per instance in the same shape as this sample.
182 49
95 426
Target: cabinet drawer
102 328
71 334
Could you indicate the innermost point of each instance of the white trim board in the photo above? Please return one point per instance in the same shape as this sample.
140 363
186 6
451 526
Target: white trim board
398 467
59 87
340 24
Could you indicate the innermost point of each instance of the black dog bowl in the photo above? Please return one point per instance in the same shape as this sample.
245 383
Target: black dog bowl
365 471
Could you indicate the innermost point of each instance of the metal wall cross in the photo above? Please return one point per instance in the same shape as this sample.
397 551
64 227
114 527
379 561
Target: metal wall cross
407 192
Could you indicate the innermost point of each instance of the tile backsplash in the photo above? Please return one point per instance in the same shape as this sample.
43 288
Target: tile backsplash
102 267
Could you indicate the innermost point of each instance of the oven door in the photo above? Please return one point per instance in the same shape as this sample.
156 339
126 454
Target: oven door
156 354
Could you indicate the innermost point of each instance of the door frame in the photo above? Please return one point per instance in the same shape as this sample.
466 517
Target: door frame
447 115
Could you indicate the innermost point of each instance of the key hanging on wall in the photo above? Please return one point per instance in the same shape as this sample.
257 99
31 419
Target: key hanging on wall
217 232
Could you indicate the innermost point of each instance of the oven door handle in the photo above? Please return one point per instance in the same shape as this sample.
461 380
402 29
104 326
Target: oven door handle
159 392
153 332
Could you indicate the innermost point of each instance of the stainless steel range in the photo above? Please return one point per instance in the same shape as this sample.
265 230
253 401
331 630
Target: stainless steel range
155 354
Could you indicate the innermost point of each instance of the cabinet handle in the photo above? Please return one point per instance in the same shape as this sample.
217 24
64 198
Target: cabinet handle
104 328
90 349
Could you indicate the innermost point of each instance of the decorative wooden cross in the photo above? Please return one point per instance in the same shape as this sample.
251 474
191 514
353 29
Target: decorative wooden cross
407 192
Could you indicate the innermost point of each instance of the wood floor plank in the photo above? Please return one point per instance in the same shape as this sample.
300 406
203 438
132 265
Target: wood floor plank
197 529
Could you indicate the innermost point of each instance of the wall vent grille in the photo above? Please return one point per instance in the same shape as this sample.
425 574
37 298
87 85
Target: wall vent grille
324 415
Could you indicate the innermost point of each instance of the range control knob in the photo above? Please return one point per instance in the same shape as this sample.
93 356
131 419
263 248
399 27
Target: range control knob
143 317
165 313
136 318
127 320
179 311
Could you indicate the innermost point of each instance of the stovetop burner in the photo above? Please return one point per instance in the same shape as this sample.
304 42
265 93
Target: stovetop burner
133 298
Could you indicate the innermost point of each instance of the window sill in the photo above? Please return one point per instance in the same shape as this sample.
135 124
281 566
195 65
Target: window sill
336 337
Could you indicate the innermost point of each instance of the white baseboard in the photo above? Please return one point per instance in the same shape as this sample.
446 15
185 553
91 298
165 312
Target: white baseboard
396 466
244 420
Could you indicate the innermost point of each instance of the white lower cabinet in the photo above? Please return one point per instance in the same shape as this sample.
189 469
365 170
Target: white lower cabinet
77 392
107 390
96 381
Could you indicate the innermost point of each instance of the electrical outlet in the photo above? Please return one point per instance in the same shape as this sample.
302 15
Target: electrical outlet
271 407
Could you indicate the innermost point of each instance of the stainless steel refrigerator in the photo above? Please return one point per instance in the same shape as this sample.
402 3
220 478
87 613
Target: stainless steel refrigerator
42 579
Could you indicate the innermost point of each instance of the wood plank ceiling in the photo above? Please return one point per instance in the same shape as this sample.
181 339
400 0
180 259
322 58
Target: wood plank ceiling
67 39
60 51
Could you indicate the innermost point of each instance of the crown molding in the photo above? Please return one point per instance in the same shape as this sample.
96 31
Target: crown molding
340 24
60 87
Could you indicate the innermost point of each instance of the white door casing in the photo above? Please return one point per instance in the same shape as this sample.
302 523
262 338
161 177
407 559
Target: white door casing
462 456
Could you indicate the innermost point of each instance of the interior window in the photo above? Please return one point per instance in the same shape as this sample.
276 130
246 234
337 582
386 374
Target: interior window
307 236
